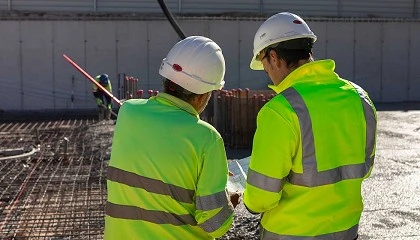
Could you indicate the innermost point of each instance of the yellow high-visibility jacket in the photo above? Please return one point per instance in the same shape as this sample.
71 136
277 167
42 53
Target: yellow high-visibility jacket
314 145
167 174
108 87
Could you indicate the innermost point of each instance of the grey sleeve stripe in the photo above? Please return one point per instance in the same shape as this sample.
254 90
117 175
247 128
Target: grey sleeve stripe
217 220
371 122
305 123
310 176
153 216
264 182
213 201
150 185
350 233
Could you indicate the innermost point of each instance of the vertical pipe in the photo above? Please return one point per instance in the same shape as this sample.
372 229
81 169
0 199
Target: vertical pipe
234 122
9 5
94 5
246 111
128 87
66 145
126 90
132 87
139 93
137 85
261 7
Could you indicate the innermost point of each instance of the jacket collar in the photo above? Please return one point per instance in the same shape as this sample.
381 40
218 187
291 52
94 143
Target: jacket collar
174 101
320 69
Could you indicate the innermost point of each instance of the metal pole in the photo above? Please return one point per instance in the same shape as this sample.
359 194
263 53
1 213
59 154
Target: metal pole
95 5
9 5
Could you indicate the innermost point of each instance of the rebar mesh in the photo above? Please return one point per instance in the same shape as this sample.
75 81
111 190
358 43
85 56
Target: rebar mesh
57 190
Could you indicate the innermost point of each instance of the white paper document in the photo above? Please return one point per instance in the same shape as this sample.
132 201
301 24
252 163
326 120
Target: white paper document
239 168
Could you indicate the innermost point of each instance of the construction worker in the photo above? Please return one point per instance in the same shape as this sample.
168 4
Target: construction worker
102 99
314 143
168 169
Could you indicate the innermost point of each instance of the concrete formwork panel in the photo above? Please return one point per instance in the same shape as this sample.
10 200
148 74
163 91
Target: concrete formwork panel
249 78
132 52
340 47
34 75
162 38
414 66
395 60
101 45
4 6
226 35
368 60
320 46
130 6
195 28
37 65
10 69
302 7
73 89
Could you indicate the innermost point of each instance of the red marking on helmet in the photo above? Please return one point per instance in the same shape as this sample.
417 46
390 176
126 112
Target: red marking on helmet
297 22
177 68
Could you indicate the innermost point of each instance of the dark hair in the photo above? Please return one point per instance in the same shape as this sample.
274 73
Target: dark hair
292 51
175 90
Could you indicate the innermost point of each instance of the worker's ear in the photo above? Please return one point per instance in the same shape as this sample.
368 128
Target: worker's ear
200 101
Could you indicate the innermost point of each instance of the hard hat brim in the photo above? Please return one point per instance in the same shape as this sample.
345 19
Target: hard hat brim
255 64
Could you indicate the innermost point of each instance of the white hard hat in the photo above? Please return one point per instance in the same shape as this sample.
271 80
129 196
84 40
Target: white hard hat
279 28
195 63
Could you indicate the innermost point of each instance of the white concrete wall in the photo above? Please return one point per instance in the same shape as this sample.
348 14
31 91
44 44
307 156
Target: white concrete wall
379 56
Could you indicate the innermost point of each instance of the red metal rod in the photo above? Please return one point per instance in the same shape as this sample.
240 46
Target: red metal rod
92 80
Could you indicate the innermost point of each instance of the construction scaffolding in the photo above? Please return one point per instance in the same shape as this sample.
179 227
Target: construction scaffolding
52 178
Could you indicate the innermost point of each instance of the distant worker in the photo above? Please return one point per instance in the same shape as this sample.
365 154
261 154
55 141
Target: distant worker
314 143
168 170
102 99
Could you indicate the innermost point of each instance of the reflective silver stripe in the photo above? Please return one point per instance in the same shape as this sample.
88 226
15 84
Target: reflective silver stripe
371 121
311 179
348 234
211 202
158 217
217 220
264 182
310 176
150 185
